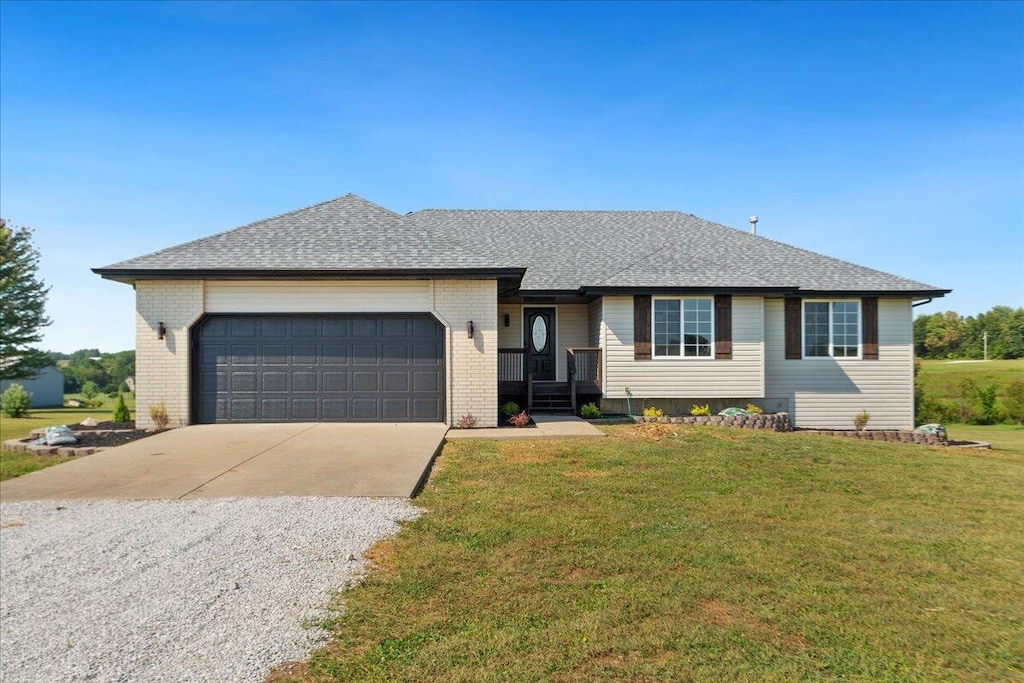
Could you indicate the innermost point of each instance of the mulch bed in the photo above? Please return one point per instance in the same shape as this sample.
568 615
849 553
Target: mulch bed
103 425
106 439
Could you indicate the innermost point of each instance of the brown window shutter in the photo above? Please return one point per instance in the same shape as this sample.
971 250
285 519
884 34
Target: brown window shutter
723 326
642 327
794 335
869 327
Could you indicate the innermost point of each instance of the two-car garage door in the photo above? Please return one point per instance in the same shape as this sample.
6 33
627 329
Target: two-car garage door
319 368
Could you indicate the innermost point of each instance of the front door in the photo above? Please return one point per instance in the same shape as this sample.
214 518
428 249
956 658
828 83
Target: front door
539 338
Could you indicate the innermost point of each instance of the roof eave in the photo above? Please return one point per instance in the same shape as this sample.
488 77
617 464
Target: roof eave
130 275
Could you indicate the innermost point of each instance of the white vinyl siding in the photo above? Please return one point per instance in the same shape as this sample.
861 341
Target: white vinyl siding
318 296
827 392
596 323
572 328
742 376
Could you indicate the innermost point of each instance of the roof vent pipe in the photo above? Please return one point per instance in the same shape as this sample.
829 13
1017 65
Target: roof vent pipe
753 225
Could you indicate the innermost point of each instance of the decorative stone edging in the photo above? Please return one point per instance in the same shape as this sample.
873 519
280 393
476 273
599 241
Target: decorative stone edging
776 422
19 446
890 435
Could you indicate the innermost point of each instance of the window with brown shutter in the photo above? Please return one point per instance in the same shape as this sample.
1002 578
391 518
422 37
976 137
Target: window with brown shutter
723 327
642 327
794 335
869 327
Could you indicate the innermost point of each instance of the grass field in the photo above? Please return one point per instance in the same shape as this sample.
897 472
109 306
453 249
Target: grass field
941 379
17 464
716 555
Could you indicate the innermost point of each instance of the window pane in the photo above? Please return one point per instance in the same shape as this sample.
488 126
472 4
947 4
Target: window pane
667 331
845 329
816 328
697 327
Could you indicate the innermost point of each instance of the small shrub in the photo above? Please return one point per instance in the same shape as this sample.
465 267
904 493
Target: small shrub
16 401
697 410
519 419
89 391
121 412
158 413
467 421
755 409
651 411
510 408
590 411
1013 401
860 420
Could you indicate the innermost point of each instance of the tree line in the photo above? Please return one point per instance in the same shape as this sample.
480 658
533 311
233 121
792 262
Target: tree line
951 335
107 371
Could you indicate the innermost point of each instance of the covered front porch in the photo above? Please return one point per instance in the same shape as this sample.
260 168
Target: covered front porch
549 355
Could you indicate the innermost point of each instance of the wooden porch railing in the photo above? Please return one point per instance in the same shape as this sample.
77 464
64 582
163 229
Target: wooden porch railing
583 366
514 369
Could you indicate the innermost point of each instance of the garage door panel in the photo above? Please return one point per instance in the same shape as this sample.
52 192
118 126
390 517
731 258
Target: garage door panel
365 382
335 409
242 409
271 328
245 327
305 327
305 410
274 409
273 382
243 381
395 409
396 381
305 381
364 327
279 368
336 354
395 354
243 354
336 382
365 409
275 354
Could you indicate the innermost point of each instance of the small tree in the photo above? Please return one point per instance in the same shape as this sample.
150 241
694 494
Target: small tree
121 412
89 391
22 305
16 401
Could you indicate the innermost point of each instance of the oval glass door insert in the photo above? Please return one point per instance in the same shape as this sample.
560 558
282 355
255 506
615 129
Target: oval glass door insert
539 332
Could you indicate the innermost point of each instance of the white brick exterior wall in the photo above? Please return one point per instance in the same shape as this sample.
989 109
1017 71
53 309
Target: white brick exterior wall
472 364
161 365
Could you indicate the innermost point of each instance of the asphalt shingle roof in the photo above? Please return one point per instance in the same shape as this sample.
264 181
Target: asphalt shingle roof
348 233
561 250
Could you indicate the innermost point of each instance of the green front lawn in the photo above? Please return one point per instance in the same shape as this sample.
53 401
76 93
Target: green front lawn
714 555
17 464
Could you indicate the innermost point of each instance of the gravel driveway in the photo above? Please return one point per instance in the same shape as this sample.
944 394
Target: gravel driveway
195 590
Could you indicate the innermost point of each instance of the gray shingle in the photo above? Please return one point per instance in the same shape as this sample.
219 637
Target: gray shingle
561 250
348 233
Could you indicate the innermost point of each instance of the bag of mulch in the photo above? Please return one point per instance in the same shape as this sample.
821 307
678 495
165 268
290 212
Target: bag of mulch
730 412
60 436
933 428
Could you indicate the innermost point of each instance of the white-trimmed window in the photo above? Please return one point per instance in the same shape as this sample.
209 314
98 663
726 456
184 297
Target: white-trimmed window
831 329
683 327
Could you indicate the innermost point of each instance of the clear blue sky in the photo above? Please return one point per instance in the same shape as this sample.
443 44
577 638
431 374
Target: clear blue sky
891 135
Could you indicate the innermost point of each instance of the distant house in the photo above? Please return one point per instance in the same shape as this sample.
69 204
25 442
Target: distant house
345 311
47 388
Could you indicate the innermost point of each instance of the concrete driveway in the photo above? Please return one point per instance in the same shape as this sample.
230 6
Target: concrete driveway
214 461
